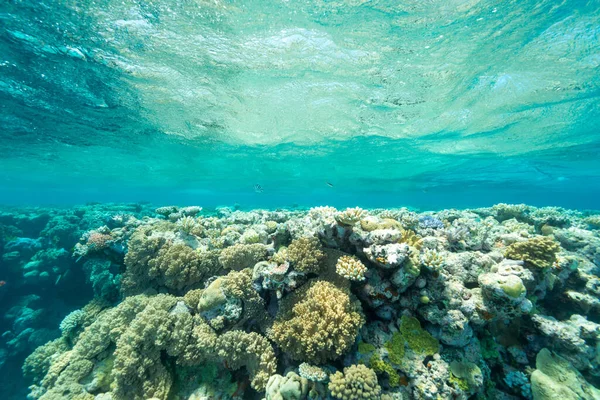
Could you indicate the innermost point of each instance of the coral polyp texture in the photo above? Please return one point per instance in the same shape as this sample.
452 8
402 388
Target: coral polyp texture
187 303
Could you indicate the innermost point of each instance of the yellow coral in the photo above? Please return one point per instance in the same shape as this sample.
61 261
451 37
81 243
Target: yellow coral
320 325
539 251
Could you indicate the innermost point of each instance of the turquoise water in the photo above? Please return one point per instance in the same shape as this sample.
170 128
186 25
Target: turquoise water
424 103
169 171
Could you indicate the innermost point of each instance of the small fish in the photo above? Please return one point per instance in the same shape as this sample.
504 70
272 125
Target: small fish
329 184
258 188
2 283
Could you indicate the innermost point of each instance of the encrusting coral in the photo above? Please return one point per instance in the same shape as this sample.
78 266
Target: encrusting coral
320 325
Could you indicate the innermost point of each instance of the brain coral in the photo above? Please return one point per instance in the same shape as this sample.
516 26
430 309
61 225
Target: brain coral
319 324
358 382
306 254
538 252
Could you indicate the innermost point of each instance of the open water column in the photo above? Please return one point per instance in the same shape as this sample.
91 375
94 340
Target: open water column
299 199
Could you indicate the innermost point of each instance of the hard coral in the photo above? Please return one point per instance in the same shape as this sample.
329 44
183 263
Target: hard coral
351 268
179 266
320 326
358 382
306 254
538 252
240 256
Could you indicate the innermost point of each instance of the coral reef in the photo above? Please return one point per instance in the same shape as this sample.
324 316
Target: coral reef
115 302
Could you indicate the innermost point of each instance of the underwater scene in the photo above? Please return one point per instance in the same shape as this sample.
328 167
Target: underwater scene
299 199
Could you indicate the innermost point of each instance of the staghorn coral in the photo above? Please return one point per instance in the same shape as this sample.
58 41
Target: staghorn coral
351 268
320 326
539 252
241 256
357 382
306 254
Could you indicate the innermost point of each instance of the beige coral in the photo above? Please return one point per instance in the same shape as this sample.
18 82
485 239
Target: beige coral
179 266
350 216
357 382
143 331
241 256
351 268
318 324
306 254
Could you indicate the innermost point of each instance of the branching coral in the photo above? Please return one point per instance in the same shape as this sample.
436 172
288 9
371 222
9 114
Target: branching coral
350 216
306 254
320 326
179 266
351 268
240 256
312 372
538 252
357 382
145 332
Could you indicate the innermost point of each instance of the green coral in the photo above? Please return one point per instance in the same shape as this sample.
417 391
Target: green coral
539 252
513 287
458 383
365 348
306 254
468 372
380 367
489 348
418 339
395 348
